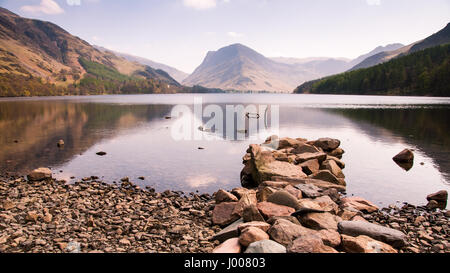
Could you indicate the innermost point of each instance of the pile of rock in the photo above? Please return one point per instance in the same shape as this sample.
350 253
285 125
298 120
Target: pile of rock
43 215
292 202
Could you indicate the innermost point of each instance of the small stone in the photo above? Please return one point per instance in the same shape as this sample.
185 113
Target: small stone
101 153
40 174
440 196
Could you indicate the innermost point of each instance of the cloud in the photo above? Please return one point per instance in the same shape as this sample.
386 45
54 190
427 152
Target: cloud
46 6
235 34
200 4
373 2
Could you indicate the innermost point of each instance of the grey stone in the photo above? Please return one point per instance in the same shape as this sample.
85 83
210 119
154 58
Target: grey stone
229 232
387 235
284 198
266 246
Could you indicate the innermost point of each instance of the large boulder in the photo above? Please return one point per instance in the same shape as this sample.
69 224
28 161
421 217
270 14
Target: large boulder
310 243
224 196
440 196
320 156
40 174
285 232
284 198
229 232
246 200
251 235
333 167
268 210
304 148
223 214
405 156
309 190
327 144
330 237
294 191
230 246
390 236
337 153
358 203
365 244
251 214
327 176
320 221
263 193
256 224
265 247
310 167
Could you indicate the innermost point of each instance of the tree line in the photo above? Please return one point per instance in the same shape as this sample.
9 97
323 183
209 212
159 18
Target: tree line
423 73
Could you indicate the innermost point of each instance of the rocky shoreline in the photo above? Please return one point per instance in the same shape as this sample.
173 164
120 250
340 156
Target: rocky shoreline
292 200
295 202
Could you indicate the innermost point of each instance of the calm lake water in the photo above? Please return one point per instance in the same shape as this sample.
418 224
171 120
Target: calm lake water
137 137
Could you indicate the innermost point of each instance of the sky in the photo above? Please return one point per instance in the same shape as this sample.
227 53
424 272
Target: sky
179 33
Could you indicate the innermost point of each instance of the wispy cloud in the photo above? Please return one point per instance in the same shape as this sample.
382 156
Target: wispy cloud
200 4
373 2
235 34
46 6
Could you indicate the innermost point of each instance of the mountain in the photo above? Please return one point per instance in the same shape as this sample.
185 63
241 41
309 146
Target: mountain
237 67
377 50
439 38
422 68
421 73
178 75
40 58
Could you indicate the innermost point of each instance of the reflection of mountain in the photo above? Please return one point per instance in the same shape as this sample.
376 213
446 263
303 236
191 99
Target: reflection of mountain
425 128
41 124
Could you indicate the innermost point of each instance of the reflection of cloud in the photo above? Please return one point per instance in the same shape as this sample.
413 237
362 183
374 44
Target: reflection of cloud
201 180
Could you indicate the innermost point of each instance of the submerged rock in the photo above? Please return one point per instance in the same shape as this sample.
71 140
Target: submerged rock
405 156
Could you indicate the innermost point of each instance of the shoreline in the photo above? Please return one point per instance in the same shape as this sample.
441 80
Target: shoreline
280 206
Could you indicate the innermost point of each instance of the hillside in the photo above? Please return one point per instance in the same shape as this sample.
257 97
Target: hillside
439 38
423 73
178 75
391 47
237 67
40 58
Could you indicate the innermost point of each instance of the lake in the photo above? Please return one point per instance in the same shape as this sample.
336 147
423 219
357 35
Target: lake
137 137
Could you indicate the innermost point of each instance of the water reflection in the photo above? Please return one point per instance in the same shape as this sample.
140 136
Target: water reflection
136 135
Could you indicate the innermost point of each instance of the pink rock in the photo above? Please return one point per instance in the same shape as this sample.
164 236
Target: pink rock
269 210
230 246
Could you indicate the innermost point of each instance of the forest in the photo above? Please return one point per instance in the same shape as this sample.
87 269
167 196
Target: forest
423 73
